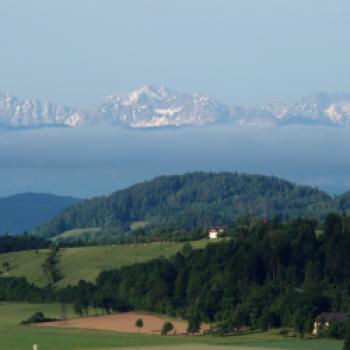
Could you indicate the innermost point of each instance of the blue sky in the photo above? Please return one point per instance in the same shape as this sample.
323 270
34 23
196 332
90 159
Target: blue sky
237 51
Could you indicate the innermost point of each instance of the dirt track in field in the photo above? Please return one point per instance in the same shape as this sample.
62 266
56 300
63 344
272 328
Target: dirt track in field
121 322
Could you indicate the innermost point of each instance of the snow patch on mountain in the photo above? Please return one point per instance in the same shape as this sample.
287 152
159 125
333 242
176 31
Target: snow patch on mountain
158 106
29 113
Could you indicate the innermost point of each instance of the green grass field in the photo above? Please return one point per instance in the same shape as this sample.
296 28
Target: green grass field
88 262
15 337
26 264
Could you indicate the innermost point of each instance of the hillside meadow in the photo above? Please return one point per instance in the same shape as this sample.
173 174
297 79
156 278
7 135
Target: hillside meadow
86 263
16 337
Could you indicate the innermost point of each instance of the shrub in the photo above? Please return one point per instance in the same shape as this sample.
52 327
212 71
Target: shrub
194 324
139 323
167 327
37 318
336 330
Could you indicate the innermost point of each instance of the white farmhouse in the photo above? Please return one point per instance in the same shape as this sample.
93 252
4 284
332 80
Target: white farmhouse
215 232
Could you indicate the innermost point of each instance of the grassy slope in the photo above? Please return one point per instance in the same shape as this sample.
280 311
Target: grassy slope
87 262
76 233
26 264
16 337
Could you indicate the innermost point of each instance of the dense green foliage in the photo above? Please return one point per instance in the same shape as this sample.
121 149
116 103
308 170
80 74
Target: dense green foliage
18 289
22 212
270 274
336 330
191 201
347 338
342 203
23 242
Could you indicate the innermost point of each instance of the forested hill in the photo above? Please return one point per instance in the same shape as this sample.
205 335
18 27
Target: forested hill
342 202
22 212
193 200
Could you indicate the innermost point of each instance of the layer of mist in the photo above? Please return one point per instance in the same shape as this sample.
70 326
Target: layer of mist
85 162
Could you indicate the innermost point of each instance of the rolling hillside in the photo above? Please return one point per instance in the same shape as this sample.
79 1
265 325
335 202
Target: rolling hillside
191 201
22 212
88 262
342 202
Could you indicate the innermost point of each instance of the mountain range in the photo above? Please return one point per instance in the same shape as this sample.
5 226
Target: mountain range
24 211
158 106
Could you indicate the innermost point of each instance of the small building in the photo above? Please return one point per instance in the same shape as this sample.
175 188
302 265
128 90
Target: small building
215 232
323 320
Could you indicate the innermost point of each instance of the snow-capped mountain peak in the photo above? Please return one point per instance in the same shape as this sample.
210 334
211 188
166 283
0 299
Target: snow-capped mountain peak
153 106
31 113
159 106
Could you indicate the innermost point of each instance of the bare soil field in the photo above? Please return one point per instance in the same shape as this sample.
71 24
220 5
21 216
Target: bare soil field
122 322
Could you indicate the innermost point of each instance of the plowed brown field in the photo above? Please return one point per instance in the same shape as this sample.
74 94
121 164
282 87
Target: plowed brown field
122 322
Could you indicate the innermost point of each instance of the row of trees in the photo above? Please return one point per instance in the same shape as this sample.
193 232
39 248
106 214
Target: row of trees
50 265
167 326
25 241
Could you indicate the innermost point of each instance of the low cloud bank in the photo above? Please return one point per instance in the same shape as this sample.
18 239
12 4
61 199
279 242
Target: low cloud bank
91 161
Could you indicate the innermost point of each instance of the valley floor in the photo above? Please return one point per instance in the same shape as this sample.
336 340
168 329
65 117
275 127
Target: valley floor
16 337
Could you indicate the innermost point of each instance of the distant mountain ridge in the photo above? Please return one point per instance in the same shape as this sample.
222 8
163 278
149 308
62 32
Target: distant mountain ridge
193 201
23 212
31 113
159 106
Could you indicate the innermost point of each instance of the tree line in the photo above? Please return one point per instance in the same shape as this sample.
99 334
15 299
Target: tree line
9 243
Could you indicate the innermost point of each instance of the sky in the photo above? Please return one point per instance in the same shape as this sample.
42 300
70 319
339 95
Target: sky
237 51
76 52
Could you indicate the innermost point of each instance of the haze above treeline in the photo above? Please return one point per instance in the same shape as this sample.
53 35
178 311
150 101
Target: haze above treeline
92 161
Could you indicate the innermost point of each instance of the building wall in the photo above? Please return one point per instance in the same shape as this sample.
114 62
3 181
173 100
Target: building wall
213 234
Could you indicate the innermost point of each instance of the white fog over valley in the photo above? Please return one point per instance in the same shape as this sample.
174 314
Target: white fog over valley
85 162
